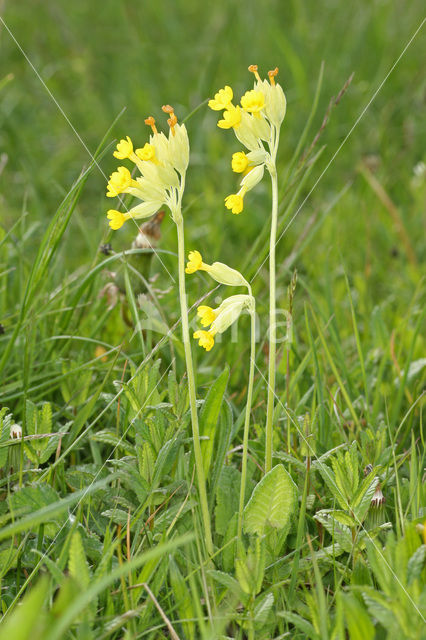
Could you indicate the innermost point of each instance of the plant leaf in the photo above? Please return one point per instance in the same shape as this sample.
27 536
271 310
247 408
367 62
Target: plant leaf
272 503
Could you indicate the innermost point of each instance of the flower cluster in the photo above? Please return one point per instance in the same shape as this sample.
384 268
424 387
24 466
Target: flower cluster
228 312
256 123
221 318
162 163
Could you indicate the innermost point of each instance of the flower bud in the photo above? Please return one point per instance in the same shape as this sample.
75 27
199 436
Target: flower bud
253 177
179 147
229 312
225 275
15 432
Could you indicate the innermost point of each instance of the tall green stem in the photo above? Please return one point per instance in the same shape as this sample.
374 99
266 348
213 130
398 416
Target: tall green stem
191 386
247 419
272 318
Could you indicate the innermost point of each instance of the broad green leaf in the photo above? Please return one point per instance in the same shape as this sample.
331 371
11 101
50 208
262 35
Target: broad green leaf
209 417
273 502
227 497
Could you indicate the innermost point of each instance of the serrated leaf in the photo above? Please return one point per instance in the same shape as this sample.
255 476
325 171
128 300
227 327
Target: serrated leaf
77 563
273 502
263 609
341 533
415 564
362 500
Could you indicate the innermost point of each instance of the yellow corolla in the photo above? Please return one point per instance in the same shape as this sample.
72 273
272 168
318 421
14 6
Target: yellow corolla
205 339
124 149
116 219
253 101
206 314
234 202
119 181
195 262
239 162
222 99
231 118
147 152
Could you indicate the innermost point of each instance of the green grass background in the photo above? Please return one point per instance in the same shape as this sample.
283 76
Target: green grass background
104 59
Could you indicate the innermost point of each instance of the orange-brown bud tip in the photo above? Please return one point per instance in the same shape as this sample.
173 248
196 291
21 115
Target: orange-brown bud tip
253 69
171 122
151 123
167 108
272 75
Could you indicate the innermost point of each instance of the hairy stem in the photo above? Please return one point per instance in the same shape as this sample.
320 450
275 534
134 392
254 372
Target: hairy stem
272 321
247 419
191 387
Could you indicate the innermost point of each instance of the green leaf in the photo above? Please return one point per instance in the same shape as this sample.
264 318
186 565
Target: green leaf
77 563
358 622
416 563
300 623
183 599
340 532
28 620
263 609
273 502
227 496
209 416
5 424
362 500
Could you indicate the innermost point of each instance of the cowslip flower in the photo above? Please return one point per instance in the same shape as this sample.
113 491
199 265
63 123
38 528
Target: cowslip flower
221 318
256 125
222 99
218 270
162 163
206 315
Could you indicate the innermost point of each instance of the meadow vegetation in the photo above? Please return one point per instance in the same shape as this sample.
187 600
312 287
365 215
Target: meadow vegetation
152 488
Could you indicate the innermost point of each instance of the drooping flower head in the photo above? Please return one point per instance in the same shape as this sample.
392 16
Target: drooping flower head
222 318
256 125
161 162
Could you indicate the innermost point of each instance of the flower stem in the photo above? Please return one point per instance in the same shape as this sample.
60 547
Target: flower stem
272 321
191 387
247 420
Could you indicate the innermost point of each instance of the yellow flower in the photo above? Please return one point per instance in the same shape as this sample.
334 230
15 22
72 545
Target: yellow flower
253 101
124 149
195 262
222 99
206 314
240 162
234 202
116 219
119 181
146 153
231 117
205 339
